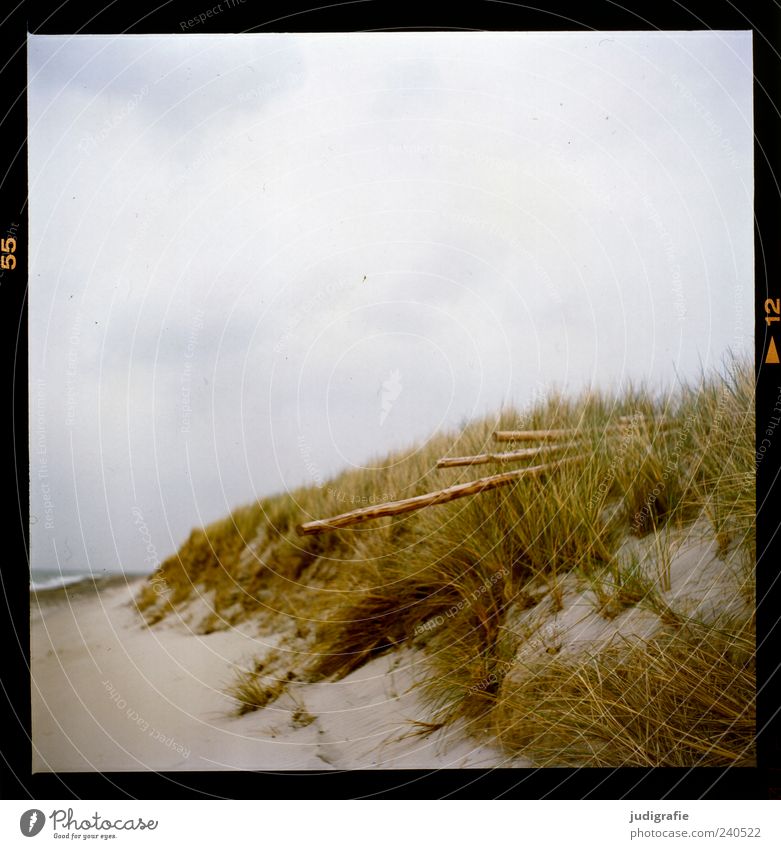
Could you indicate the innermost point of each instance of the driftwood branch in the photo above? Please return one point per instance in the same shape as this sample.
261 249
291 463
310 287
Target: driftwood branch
535 435
505 457
429 499
574 433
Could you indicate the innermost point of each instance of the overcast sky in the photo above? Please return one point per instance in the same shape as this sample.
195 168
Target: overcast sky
259 260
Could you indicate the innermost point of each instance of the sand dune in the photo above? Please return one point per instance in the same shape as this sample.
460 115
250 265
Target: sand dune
110 694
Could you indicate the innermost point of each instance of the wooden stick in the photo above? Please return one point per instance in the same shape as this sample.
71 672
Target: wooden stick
507 457
564 433
533 435
429 499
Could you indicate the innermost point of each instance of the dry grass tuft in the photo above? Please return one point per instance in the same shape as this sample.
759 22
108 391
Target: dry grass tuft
253 691
685 698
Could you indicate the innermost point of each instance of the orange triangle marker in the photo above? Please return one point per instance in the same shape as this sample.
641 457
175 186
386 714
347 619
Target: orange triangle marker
772 353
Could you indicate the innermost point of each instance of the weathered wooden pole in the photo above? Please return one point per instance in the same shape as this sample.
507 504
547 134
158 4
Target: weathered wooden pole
572 432
534 435
505 457
429 499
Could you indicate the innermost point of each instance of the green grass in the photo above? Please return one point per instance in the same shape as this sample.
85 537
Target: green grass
449 579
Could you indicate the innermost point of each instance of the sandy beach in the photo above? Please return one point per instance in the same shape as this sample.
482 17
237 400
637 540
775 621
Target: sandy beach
111 694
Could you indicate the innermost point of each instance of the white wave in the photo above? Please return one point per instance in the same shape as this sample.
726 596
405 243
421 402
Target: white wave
54 582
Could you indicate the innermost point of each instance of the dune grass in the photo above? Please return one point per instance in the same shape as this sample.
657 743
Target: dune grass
451 579
685 698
